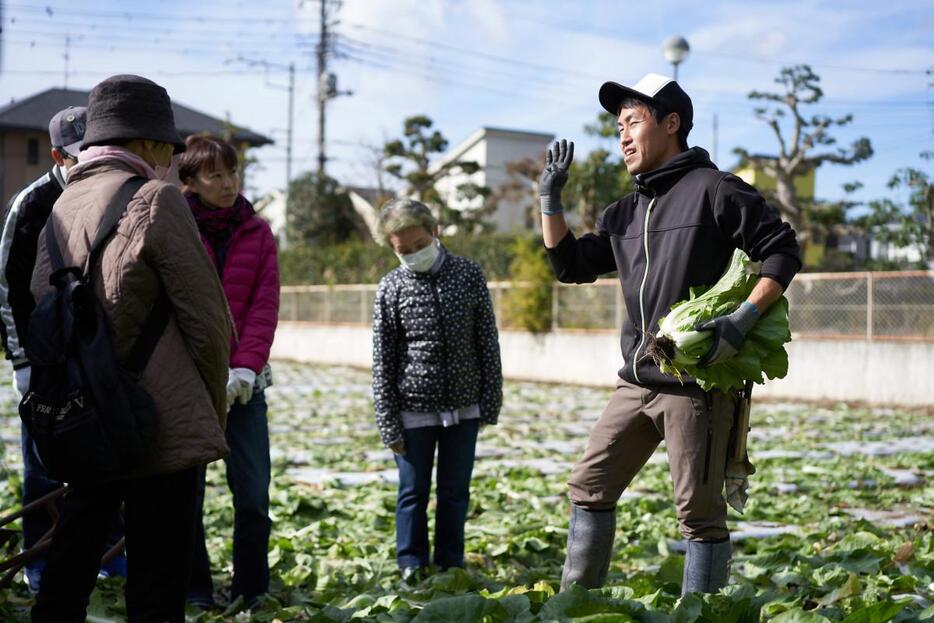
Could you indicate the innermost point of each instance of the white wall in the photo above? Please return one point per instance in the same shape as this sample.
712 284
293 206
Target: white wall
493 149
503 149
893 373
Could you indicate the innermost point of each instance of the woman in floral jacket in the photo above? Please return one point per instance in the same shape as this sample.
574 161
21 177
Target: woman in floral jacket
436 378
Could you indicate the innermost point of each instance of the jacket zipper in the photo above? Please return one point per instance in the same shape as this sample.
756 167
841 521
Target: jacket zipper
645 277
441 332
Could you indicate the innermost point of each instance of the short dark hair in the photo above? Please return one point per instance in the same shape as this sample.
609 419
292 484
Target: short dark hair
659 114
201 152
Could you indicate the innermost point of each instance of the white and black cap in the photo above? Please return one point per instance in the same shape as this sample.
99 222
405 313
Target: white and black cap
66 129
660 91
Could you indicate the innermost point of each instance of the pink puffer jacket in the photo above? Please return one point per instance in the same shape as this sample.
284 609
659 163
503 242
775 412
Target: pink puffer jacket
251 282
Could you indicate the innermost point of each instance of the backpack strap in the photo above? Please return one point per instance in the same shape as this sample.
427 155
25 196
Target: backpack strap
158 318
112 215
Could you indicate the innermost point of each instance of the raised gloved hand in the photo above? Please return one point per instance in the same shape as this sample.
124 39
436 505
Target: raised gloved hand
240 385
554 176
21 380
728 333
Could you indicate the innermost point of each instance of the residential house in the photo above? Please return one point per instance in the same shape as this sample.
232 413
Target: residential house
24 134
494 149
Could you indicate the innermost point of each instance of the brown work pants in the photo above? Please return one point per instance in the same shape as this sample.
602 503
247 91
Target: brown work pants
695 426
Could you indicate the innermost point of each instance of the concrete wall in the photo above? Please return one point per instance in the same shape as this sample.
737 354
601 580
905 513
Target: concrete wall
894 373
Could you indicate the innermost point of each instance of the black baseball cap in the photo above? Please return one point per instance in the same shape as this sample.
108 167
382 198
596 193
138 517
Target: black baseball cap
66 129
660 91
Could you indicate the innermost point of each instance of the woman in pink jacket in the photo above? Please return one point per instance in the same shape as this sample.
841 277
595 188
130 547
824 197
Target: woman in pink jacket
243 250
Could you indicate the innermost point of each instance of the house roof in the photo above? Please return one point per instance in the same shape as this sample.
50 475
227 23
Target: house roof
34 113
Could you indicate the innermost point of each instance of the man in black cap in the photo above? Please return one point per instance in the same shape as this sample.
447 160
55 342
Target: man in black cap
154 253
25 217
678 229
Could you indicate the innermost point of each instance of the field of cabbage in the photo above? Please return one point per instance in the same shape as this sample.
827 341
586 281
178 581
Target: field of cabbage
837 528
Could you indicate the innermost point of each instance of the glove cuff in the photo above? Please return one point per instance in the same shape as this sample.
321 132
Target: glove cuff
551 205
745 317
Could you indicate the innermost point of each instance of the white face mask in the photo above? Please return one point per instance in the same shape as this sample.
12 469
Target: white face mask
421 261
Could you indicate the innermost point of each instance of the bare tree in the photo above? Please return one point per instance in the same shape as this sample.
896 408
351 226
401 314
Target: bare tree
805 135
521 187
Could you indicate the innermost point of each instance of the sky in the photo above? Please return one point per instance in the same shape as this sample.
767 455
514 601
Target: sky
525 64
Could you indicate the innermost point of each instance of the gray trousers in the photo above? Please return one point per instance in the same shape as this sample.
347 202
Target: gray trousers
695 426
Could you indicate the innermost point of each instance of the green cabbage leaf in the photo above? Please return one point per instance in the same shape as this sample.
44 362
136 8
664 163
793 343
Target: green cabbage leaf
677 347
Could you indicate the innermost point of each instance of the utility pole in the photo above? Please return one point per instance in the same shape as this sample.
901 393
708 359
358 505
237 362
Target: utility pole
266 65
67 58
288 143
322 89
327 86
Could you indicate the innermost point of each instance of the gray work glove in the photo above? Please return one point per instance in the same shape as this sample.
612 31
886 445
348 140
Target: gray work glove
554 176
728 333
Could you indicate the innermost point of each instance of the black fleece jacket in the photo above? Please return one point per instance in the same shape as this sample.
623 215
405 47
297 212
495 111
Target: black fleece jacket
24 218
677 230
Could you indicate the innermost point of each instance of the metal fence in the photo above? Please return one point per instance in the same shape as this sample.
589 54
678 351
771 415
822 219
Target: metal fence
868 305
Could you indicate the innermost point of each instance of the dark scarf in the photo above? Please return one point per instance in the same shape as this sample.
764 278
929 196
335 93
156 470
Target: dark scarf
217 225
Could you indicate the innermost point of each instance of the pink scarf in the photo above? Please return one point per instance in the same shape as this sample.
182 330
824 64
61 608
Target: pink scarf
98 153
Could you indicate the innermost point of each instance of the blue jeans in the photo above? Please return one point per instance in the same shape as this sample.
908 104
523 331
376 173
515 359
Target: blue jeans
248 476
456 448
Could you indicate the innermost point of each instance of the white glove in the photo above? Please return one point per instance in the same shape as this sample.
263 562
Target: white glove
21 380
240 385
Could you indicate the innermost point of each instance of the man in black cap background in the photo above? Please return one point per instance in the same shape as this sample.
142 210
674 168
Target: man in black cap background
155 250
25 217
678 229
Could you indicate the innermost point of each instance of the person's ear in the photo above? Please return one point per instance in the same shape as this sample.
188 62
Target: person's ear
673 123
57 157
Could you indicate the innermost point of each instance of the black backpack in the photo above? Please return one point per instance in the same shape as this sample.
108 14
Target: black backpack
90 418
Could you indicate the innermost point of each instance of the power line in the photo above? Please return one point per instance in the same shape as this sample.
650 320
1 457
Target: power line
245 34
743 56
453 66
395 35
254 20
215 52
486 88
133 16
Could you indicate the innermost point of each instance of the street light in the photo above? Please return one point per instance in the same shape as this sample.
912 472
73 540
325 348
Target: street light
675 49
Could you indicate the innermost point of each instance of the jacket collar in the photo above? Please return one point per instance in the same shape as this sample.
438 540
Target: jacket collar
661 179
60 175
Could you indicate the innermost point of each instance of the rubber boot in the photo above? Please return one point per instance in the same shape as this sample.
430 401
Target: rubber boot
706 567
590 546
